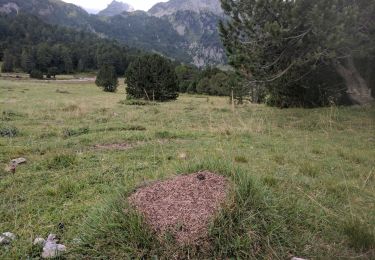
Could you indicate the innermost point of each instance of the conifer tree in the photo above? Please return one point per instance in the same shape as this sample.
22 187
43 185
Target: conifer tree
152 77
107 78
300 49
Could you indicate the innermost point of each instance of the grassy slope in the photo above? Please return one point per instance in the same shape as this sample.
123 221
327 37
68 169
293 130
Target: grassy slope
317 164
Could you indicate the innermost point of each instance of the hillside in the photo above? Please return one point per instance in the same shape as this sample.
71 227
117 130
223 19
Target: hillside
115 8
50 11
189 36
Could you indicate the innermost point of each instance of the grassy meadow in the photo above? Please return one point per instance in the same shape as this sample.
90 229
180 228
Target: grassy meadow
304 180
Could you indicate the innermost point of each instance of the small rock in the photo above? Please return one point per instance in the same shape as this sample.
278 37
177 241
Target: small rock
18 161
7 238
201 177
182 156
39 241
51 249
52 238
297 258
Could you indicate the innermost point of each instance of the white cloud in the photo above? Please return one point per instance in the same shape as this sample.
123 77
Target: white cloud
101 4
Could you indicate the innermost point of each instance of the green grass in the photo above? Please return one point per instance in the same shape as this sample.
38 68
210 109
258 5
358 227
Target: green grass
303 180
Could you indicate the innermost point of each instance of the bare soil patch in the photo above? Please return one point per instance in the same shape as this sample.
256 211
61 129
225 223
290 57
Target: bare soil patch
183 206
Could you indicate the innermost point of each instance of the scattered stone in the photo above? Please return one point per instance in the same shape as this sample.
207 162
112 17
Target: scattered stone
39 241
297 258
182 156
18 161
14 163
201 177
51 248
7 238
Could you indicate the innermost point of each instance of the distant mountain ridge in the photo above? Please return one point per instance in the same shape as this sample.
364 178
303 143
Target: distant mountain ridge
115 8
190 36
173 6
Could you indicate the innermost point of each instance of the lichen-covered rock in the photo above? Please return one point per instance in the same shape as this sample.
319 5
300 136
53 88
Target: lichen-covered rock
7 238
51 248
18 161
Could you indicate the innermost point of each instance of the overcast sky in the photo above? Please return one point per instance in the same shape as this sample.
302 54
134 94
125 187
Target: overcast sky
101 4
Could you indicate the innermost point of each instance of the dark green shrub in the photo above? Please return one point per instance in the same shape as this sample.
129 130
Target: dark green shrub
107 78
8 131
151 77
36 74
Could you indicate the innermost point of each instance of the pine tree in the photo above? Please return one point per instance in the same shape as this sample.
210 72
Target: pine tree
107 78
151 77
300 49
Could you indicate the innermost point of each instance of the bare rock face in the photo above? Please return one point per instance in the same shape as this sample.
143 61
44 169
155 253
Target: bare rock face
116 8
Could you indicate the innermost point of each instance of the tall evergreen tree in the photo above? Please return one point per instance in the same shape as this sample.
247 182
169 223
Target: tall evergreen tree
298 49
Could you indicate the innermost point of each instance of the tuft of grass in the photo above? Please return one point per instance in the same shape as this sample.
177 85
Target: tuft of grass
10 115
308 169
8 131
71 108
135 128
62 161
241 159
165 135
137 102
361 237
68 132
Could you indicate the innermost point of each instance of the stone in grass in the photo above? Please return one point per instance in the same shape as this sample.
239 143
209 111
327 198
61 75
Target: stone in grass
7 238
297 258
182 156
18 161
39 241
51 248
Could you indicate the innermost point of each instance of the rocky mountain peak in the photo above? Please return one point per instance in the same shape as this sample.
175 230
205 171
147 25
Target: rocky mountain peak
115 8
168 8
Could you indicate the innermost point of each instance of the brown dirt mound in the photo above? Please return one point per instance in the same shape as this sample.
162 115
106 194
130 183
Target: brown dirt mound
182 206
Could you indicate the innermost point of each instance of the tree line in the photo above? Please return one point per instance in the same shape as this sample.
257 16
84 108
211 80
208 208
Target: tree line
30 45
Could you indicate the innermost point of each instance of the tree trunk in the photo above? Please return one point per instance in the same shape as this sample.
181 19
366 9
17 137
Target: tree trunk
357 87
